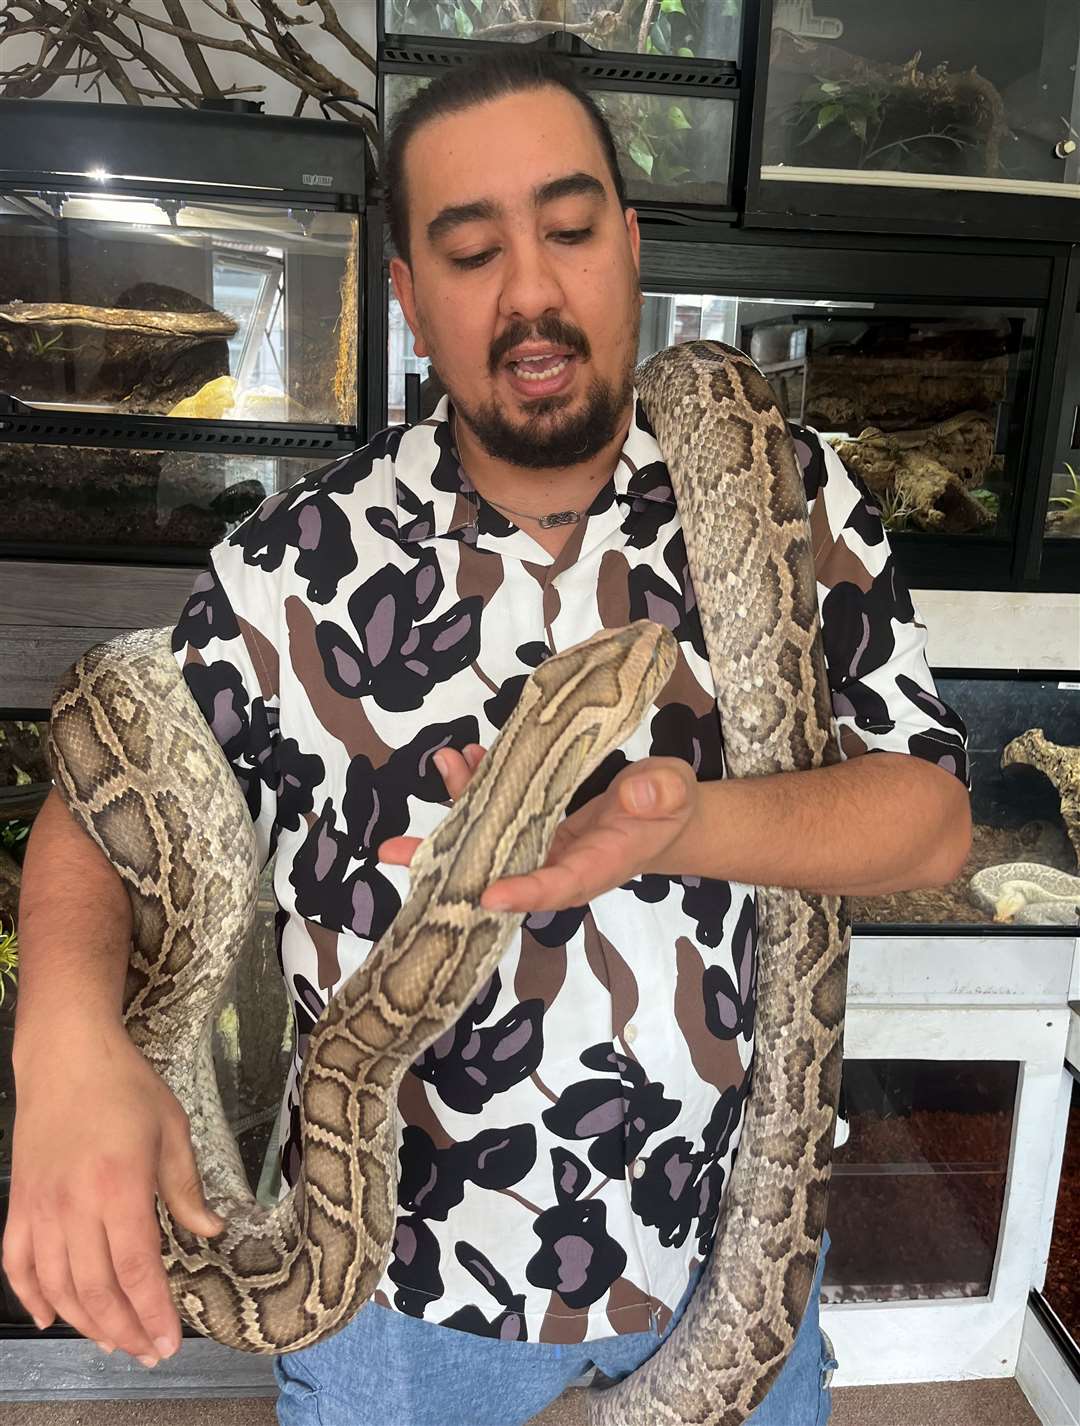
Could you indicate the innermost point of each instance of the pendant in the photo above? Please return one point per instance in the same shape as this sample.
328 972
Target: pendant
558 517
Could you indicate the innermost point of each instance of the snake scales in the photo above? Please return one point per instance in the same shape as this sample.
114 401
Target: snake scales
138 766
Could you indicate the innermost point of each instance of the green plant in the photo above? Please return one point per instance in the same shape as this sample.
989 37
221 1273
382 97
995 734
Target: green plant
13 833
653 132
988 499
39 346
862 107
896 509
832 101
1071 501
9 956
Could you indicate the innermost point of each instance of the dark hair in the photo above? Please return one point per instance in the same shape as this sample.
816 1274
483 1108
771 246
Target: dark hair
489 76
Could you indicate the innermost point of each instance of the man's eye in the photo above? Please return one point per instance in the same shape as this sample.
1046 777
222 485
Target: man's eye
477 259
566 235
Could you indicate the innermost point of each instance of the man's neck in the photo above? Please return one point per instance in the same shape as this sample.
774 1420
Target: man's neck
539 491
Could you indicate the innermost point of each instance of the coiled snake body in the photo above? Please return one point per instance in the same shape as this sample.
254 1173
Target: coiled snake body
139 767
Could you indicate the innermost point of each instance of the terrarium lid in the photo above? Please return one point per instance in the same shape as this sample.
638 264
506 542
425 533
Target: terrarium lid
141 148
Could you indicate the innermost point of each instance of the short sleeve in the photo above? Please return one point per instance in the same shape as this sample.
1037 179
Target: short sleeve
231 668
883 693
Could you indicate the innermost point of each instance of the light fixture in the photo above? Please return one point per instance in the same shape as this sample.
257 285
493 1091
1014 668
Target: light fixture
100 175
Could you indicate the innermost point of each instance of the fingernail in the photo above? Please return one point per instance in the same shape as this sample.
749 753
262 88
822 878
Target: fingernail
40 1322
642 792
107 1348
149 1361
164 1347
440 763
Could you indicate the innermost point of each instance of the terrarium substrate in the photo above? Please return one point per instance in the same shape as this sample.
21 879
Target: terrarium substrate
951 905
1062 1286
905 1220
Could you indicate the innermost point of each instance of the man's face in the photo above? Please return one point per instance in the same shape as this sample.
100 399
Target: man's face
523 287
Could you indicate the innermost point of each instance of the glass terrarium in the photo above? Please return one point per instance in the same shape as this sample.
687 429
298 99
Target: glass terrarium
143 505
703 29
672 147
252 1037
671 110
923 406
918 1187
984 97
115 303
1063 508
1022 872
179 322
923 402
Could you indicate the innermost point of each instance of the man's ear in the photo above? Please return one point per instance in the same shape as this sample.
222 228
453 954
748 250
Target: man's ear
402 283
634 234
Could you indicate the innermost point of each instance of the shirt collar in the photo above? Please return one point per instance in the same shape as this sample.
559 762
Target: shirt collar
435 497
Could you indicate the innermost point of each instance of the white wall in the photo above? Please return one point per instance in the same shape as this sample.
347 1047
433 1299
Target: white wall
979 628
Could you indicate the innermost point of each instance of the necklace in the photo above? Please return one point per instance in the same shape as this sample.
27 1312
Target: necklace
546 522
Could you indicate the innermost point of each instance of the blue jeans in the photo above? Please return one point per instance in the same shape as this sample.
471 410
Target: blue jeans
386 1367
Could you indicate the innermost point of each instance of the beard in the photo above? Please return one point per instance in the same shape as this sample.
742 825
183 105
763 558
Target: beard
545 440
551 437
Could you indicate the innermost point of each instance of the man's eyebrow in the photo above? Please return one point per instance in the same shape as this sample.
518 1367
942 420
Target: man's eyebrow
484 209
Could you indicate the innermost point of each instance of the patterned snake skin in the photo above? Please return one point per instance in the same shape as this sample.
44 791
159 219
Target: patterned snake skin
138 766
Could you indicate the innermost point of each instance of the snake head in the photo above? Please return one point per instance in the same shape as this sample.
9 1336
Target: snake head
608 680
1011 900
575 709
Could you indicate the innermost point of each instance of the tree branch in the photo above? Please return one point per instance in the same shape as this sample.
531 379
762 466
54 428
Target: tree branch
95 31
192 53
333 26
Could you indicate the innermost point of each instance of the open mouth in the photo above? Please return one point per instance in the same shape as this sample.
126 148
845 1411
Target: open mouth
542 376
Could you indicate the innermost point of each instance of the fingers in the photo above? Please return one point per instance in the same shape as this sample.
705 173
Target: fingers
86 1244
120 1293
179 1183
63 1263
552 888
398 851
18 1265
457 768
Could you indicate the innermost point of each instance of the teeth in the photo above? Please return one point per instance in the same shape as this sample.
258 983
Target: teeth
525 374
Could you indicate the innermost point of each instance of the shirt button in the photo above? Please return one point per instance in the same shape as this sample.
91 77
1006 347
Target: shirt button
630 1033
639 1168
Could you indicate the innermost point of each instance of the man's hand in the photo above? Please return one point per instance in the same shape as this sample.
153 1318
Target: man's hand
97 1134
619 835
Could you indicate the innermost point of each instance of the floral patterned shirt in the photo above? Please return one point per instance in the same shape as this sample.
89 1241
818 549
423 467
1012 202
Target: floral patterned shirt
565 1146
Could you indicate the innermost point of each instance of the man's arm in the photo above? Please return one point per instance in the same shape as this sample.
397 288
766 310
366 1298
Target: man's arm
97 1132
878 823
881 822
74 930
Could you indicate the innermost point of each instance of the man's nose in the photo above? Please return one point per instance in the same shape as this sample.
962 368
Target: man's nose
531 285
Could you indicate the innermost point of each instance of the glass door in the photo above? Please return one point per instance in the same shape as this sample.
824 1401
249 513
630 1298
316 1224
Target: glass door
979 95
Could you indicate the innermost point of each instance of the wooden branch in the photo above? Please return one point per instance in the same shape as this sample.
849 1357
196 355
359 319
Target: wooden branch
154 66
646 24
32 81
333 26
192 53
95 31
125 319
511 27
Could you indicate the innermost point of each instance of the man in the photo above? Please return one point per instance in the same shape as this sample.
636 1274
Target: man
566 1146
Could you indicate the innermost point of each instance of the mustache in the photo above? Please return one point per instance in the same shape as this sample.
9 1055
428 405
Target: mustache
548 329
